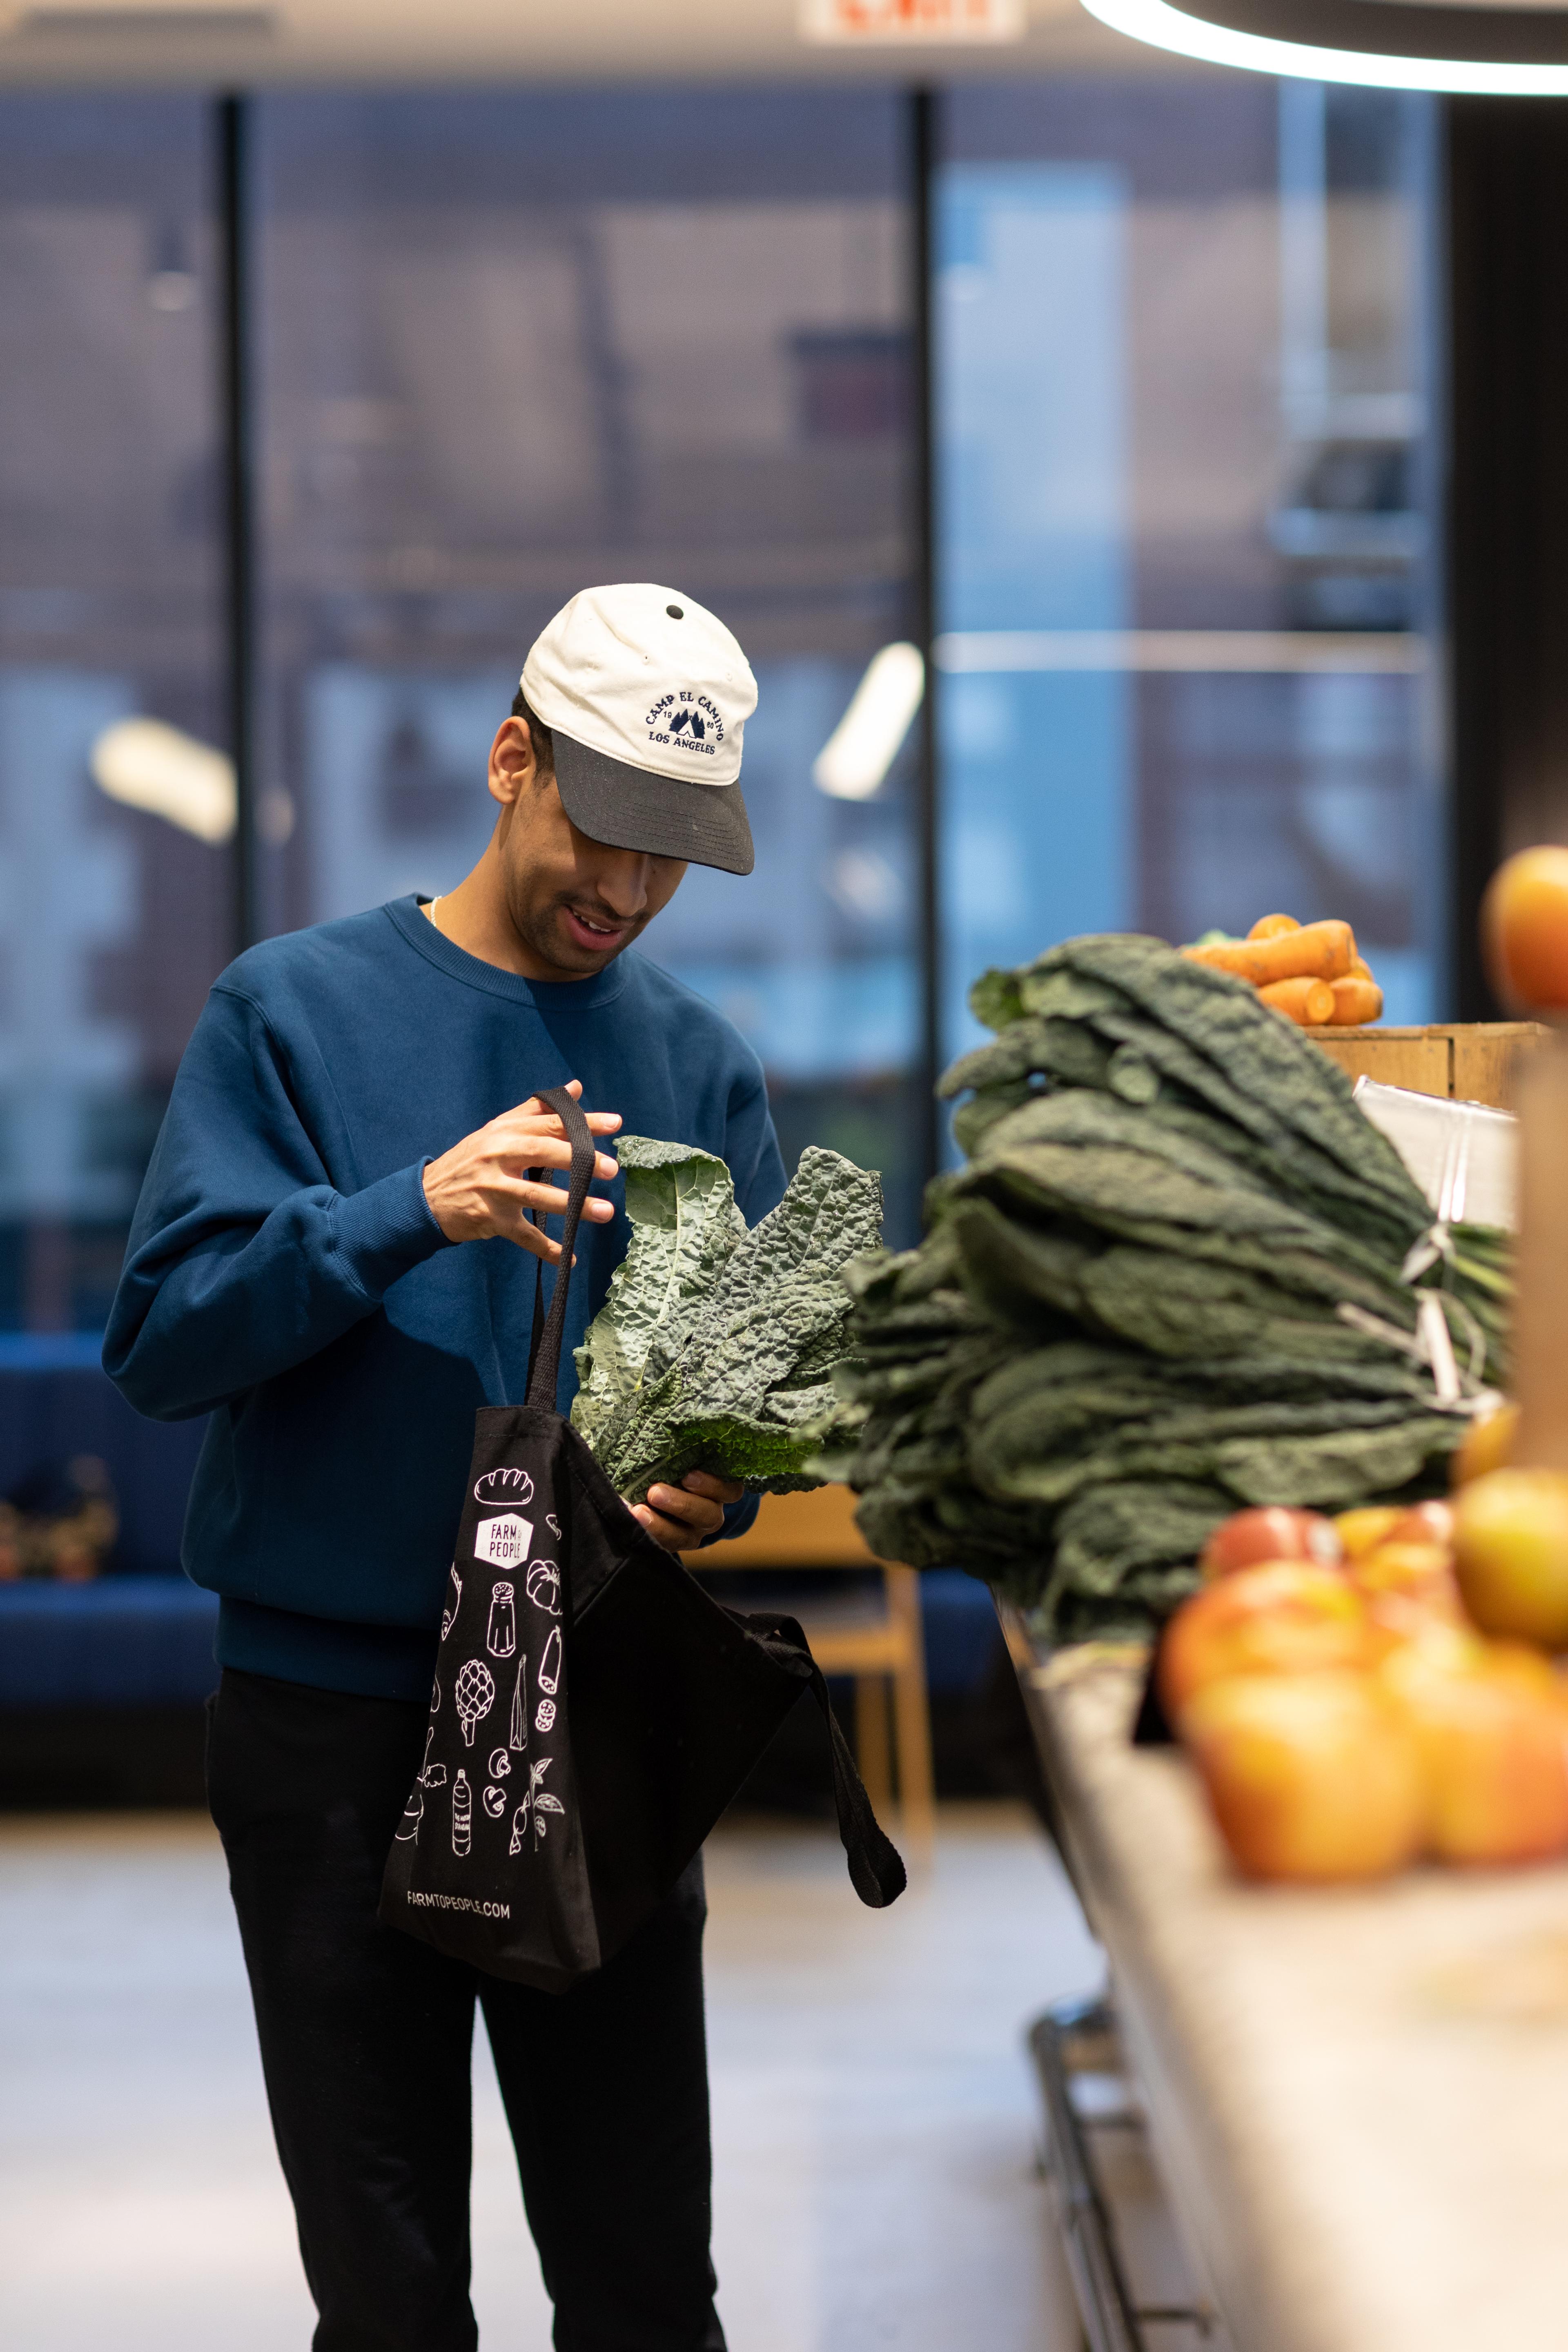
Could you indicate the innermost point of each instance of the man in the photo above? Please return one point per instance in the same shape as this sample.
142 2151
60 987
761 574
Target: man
334 1255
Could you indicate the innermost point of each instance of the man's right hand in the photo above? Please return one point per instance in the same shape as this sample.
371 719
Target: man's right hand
479 1189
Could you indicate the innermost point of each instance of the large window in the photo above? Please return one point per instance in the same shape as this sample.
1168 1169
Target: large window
116 909
1186 560
514 346
507 345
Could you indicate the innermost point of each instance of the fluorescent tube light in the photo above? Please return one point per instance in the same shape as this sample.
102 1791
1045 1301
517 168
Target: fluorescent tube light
1167 27
144 764
861 749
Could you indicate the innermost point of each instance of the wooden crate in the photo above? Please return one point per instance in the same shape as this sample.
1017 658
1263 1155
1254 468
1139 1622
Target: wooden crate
1468 1062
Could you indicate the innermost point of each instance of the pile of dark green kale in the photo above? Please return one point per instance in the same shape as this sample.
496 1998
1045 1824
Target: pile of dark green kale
1170 1281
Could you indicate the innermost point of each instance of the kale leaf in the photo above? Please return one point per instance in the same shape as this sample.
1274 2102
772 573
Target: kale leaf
717 1346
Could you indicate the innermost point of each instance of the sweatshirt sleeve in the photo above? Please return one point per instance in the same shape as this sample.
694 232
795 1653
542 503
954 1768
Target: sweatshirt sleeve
243 1259
752 1148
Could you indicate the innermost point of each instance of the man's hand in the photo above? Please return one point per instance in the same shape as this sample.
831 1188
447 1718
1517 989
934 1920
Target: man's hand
478 1189
679 1517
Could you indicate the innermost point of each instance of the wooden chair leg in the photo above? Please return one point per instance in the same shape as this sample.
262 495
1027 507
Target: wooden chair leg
873 1751
917 1794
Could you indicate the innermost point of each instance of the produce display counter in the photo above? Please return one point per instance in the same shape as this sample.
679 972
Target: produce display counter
1357 2099
1466 1061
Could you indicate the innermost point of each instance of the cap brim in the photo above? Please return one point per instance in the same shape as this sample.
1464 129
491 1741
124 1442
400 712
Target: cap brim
664 816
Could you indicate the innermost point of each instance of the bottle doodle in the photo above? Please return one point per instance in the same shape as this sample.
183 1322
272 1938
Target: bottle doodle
462 1814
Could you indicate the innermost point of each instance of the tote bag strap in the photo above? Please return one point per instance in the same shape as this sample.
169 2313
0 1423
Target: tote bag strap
875 1868
545 1348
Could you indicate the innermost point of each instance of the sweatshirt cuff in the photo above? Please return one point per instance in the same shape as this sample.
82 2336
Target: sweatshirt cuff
738 1518
387 1229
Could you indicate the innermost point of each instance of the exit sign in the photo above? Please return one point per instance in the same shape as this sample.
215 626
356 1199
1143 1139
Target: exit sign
912 20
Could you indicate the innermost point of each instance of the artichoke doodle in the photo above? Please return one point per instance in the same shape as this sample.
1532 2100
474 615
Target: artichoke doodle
474 1695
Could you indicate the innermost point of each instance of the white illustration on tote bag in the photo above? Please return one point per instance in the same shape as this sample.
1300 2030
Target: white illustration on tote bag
500 1634
504 1542
544 1586
503 1486
474 1693
537 1801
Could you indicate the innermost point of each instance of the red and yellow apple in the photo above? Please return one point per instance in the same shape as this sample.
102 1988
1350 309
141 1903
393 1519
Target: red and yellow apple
1417 1572
1288 1617
1511 1552
1361 1529
1248 1539
1425 1523
1312 1777
1491 1725
1524 930
1488 1445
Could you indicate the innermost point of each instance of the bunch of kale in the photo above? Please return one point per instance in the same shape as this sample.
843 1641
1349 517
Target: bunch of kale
717 1346
1169 1282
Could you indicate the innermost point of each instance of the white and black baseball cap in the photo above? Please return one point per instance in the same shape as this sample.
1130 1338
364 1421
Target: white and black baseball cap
646 695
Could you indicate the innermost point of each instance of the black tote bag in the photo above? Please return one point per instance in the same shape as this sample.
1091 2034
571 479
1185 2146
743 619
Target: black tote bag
594 1709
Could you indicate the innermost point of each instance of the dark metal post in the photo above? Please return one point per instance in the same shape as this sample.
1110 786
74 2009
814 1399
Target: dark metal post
1507 515
923 160
232 138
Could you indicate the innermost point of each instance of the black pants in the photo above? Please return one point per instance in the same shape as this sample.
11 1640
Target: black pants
366 2039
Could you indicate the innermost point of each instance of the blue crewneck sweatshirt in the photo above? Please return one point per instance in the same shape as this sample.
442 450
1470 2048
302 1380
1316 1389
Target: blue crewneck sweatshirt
285 1274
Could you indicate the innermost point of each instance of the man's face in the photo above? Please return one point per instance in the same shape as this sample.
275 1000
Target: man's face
576 903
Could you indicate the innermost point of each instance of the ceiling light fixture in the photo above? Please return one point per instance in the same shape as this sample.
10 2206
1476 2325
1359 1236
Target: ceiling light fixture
861 749
112 22
145 764
1457 47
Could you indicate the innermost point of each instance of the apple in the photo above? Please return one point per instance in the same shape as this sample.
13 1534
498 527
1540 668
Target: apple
1490 1726
1524 930
1393 1617
1418 1571
1425 1523
1314 1777
1250 1537
1488 1445
1510 1550
1372 1524
1287 1617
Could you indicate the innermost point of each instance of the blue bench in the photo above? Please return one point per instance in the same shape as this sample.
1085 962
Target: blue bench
141 1635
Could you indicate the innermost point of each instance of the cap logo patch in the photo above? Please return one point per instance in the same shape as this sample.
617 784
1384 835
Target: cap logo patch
686 720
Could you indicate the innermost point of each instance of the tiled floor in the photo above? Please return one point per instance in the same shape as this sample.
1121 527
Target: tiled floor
873 2117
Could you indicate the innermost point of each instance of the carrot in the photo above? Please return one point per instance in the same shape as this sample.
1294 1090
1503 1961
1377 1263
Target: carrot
1356 1002
1361 969
1271 926
1317 951
1308 1003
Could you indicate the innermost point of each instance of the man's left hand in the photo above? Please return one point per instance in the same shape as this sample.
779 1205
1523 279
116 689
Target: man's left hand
680 1517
